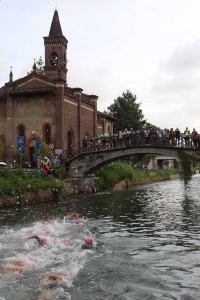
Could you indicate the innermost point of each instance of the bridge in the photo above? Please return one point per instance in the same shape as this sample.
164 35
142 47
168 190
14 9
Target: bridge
86 163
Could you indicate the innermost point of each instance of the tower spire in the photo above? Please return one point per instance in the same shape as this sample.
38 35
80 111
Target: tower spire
56 51
55 29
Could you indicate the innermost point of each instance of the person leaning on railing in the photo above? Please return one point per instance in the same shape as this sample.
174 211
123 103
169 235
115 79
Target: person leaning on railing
103 140
195 138
177 136
85 142
97 142
110 140
186 136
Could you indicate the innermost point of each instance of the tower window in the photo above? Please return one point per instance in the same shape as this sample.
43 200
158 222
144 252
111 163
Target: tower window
54 58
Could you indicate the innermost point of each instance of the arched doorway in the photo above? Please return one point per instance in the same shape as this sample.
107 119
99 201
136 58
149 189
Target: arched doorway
32 153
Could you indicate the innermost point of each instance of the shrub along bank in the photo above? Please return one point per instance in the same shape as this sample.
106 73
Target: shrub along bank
115 172
20 187
16 182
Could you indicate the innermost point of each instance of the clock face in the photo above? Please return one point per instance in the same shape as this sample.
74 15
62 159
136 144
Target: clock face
54 59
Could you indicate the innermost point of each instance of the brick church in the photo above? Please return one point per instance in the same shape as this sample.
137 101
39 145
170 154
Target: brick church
42 108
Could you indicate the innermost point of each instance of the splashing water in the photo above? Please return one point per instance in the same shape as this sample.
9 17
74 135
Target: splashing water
24 263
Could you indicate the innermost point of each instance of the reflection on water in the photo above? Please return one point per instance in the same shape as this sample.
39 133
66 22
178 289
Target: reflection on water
147 245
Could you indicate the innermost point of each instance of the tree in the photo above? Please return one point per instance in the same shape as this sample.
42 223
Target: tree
39 66
127 112
44 151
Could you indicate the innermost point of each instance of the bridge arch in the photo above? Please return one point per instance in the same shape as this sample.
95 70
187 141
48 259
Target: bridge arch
88 162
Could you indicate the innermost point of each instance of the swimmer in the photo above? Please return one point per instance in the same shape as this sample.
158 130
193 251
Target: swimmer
48 277
65 240
52 286
78 219
15 266
88 244
51 221
42 240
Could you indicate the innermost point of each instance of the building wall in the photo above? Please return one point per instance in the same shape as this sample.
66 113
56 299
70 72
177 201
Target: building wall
87 119
47 100
71 120
108 127
3 127
2 117
33 113
99 129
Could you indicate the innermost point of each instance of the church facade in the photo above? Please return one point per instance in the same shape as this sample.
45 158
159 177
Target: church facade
42 108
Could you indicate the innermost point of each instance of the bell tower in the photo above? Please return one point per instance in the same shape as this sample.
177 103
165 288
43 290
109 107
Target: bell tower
56 51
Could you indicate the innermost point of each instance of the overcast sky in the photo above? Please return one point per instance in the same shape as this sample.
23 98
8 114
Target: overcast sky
151 47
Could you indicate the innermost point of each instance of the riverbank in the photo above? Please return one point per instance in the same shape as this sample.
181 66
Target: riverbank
125 184
122 175
19 188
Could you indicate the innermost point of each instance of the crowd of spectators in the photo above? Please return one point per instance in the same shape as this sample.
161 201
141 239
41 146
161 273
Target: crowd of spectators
141 137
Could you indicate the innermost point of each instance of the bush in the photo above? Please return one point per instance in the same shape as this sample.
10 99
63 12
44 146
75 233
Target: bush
113 173
15 182
118 171
58 173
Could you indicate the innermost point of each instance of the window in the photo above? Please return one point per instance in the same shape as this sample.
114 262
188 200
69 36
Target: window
47 134
54 58
21 130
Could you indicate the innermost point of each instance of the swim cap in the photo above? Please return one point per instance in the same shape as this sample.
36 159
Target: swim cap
66 274
89 240
43 239
51 221
65 240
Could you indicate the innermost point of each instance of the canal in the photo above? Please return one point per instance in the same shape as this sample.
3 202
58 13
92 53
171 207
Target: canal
147 245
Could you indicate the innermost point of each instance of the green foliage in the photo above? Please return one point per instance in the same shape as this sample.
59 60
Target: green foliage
185 167
146 159
21 157
44 151
18 181
117 171
113 173
58 173
127 112
39 66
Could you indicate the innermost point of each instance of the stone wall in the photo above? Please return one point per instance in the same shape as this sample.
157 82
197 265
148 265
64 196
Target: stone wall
28 198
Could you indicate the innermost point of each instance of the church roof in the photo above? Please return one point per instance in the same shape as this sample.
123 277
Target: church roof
55 29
